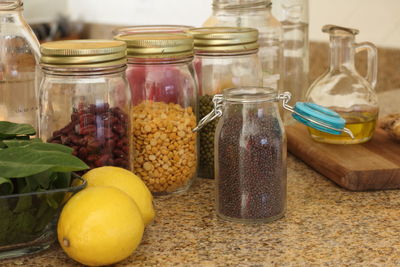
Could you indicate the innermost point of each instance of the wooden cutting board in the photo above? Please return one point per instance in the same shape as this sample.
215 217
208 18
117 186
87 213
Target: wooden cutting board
373 165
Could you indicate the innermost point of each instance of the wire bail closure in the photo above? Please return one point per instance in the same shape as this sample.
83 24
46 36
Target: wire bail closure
218 101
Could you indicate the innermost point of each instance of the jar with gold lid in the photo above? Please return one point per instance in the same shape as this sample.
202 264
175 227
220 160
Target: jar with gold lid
85 100
164 97
225 57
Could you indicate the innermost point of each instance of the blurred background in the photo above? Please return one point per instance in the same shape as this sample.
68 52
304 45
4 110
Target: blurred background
378 22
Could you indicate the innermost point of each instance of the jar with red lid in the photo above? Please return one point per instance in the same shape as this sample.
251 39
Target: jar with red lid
164 97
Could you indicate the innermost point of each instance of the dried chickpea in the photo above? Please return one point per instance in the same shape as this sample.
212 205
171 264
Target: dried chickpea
165 146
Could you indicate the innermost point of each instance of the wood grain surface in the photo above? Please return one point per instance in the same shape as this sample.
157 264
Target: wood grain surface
374 165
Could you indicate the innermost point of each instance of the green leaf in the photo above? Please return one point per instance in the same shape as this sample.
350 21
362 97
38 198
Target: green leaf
17 162
6 186
5 220
62 180
24 204
9 129
43 179
18 143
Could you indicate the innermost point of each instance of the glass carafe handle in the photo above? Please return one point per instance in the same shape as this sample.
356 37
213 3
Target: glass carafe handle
372 52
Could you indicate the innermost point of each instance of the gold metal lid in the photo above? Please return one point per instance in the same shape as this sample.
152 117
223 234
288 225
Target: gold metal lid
83 53
241 4
158 45
162 28
224 39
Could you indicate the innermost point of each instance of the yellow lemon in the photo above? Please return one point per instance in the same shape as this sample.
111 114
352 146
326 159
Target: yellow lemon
126 181
100 226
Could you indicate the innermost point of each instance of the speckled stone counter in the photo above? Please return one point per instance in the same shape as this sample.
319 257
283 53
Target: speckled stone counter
324 226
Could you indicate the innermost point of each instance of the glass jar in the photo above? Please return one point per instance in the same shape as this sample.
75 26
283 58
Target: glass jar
344 90
293 15
164 97
250 150
19 57
85 100
151 29
224 58
250 153
254 14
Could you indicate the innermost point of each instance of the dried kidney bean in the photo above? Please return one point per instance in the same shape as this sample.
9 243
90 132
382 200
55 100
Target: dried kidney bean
98 134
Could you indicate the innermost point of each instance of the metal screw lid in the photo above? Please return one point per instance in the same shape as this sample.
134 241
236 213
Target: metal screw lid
241 4
81 53
158 45
165 28
224 39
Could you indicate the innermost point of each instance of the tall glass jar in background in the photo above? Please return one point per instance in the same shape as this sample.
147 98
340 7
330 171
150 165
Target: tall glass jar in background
85 100
293 14
224 57
254 14
19 58
164 96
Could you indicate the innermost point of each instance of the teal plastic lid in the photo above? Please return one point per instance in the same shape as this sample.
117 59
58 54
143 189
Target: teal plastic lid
319 114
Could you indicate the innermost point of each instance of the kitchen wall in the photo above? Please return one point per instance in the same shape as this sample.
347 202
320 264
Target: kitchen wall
378 21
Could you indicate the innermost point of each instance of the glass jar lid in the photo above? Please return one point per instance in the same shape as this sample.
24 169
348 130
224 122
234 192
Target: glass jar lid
158 45
224 39
83 53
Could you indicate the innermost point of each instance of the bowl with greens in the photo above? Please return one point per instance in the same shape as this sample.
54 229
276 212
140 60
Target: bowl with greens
36 179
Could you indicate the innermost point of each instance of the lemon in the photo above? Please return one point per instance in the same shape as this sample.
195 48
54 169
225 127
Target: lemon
126 181
100 226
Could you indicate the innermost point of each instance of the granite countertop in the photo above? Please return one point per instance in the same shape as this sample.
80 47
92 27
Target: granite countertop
324 225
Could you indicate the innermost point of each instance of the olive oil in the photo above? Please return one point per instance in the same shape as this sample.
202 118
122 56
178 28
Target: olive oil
362 124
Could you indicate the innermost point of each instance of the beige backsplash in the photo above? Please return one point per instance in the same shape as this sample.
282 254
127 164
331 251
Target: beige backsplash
388 59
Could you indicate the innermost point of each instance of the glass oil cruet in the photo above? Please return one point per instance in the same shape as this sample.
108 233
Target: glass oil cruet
19 57
344 90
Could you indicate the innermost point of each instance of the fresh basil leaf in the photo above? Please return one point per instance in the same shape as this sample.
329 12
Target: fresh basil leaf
45 218
17 162
18 143
51 147
8 129
6 219
38 145
63 180
24 204
43 179
6 186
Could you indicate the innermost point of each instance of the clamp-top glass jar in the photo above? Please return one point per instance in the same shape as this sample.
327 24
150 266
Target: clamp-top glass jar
85 100
19 58
224 58
164 96
250 155
250 150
